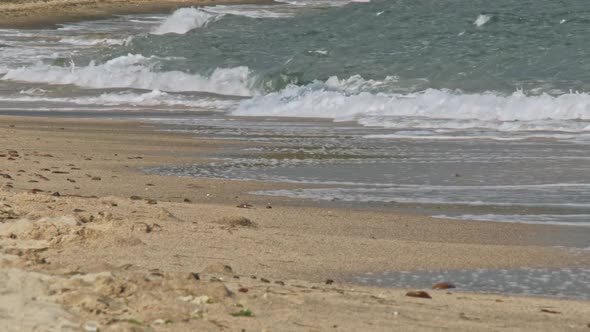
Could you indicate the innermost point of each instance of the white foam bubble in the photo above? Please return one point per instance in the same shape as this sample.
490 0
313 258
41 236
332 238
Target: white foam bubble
481 20
136 71
184 20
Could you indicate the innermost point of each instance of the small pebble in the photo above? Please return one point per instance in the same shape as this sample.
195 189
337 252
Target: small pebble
420 294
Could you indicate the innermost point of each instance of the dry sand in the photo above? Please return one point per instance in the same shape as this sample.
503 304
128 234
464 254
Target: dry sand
89 241
36 13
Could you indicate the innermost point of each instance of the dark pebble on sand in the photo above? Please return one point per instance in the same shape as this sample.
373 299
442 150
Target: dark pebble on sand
443 285
420 294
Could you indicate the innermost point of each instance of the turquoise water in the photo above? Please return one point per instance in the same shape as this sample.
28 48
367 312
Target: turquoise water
504 66
474 46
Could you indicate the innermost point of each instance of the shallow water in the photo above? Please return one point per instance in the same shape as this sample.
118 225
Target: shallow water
543 181
560 283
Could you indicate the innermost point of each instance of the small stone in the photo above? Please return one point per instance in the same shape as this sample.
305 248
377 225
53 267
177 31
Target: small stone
420 294
96 178
56 194
443 285
201 299
195 276
159 321
152 201
265 280
186 200
278 282
329 282
243 290
549 311
219 268
135 198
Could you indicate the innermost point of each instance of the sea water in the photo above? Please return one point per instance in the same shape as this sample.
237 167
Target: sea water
470 103
571 283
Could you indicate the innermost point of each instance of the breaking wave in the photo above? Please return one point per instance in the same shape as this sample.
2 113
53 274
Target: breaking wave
184 20
342 101
138 72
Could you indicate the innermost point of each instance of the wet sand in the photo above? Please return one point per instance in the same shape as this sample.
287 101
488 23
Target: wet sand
97 242
37 13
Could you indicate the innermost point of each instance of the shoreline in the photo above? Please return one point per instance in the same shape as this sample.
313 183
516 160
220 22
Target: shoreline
90 248
33 14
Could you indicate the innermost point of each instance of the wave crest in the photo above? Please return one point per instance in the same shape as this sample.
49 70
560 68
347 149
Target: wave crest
136 71
184 20
341 100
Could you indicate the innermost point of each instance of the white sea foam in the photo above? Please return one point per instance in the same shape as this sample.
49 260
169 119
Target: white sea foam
184 20
318 3
153 98
252 11
136 71
343 100
481 20
93 42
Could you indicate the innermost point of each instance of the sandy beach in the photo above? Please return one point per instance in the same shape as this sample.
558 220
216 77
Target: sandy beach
100 244
34 13
91 241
